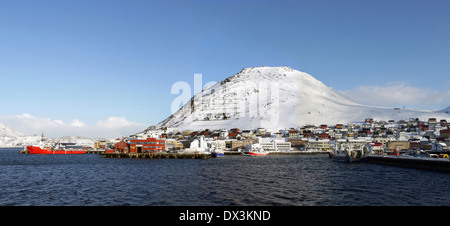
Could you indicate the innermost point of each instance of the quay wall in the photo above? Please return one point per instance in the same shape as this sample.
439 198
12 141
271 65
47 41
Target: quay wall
157 155
282 152
432 164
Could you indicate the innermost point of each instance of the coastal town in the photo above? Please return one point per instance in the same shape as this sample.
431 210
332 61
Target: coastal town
403 137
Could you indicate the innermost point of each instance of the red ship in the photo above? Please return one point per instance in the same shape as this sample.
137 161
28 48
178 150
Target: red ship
38 150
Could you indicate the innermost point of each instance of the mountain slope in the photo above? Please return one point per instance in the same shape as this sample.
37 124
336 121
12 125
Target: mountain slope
446 110
276 98
6 131
10 137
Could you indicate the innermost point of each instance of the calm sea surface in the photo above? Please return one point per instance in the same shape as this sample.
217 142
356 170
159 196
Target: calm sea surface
300 180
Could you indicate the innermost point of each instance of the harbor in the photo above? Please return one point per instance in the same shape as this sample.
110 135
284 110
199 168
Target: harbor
413 144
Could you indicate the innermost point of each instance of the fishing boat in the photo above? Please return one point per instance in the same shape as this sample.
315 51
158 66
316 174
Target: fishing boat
256 150
351 151
339 156
48 150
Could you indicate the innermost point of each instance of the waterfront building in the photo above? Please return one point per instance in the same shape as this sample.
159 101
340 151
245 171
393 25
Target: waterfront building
100 145
281 145
172 144
318 145
445 133
146 145
293 134
121 146
242 143
275 144
198 145
398 145
377 148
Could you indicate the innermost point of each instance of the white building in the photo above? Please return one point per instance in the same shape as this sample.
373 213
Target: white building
216 145
198 145
271 144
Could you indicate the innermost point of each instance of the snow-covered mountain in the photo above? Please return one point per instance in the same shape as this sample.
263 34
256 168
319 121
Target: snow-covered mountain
276 98
6 131
446 110
12 138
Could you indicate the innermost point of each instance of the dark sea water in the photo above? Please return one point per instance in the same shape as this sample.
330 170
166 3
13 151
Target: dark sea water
297 180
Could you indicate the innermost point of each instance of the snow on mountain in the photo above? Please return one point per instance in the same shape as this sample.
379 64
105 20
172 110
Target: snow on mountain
12 138
276 98
446 110
6 131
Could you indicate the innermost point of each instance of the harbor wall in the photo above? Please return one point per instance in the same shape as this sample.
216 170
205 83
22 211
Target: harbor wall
432 164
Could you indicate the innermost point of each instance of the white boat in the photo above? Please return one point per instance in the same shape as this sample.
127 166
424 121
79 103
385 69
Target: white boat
256 150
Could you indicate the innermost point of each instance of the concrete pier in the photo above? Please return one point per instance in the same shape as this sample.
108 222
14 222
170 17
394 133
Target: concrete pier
433 164
298 152
282 153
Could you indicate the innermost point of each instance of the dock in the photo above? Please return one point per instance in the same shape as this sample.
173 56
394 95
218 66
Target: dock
157 155
423 163
282 152
297 152
94 151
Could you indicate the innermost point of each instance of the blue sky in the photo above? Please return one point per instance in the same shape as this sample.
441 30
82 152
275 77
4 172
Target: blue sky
85 63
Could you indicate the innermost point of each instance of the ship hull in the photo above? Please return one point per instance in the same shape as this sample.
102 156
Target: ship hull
48 151
345 158
217 154
251 153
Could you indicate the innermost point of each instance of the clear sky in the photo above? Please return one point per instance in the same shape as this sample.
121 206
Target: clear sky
93 64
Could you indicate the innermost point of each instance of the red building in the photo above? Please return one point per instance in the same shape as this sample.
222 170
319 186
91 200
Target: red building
122 146
147 145
324 136
414 144
307 133
445 133
377 148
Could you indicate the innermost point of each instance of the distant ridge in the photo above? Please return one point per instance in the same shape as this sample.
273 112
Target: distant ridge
12 138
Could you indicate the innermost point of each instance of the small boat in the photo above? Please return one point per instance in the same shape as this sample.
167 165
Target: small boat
217 153
256 150
47 150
